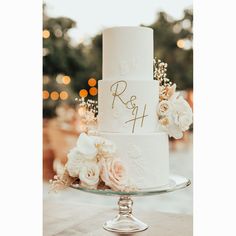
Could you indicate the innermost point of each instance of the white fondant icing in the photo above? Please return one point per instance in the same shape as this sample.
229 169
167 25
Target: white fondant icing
134 151
114 119
128 53
146 157
128 57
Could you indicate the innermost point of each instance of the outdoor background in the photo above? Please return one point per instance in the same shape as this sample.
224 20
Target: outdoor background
72 64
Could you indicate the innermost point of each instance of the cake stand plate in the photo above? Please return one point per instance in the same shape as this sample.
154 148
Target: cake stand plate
125 222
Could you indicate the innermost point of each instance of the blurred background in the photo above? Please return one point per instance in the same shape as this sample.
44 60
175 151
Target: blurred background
72 65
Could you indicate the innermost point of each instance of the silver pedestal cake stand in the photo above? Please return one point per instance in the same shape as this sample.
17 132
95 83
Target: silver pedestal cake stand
125 222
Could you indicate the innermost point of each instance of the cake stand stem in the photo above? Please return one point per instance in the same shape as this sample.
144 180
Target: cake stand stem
125 222
125 204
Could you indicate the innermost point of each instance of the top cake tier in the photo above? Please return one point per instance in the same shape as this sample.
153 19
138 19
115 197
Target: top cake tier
128 53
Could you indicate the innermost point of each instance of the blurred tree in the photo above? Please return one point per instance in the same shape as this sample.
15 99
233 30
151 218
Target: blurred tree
173 45
60 58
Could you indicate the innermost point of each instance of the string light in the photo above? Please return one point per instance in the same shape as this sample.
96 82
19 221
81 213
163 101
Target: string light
45 94
83 93
180 43
46 34
66 79
54 95
63 95
93 91
92 82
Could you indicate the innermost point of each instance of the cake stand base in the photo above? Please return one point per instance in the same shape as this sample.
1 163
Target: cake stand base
125 222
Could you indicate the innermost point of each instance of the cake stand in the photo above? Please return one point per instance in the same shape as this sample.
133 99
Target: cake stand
125 222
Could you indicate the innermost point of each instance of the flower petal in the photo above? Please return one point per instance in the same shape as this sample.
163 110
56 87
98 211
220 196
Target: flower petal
86 146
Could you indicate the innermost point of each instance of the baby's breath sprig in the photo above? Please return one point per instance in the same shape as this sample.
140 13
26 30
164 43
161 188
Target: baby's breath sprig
160 73
61 182
90 105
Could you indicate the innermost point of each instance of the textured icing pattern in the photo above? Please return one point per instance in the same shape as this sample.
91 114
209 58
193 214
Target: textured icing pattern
127 66
137 163
117 113
128 53
134 152
146 157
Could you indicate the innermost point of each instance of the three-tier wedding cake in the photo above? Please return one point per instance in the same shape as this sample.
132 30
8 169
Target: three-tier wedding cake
128 97
138 107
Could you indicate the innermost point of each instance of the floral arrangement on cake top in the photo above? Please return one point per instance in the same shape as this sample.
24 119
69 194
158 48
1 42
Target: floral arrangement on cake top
92 164
173 111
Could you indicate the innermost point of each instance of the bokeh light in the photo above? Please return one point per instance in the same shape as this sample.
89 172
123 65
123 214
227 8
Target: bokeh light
186 24
93 91
66 79
177 28
187 44
63 95
54 95
59 78
45 94
180 43
46 79
92 82
83 93
46 34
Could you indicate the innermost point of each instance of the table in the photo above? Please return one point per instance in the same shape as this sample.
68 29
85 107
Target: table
65 218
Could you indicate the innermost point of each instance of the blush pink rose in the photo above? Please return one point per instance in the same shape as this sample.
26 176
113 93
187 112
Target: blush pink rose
113 173
89 175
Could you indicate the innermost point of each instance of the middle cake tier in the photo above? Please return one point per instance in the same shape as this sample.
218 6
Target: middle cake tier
128 106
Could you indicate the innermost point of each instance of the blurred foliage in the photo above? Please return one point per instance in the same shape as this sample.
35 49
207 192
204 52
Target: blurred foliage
167 32
82 62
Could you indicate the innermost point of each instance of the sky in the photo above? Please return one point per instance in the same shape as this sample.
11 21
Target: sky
92 16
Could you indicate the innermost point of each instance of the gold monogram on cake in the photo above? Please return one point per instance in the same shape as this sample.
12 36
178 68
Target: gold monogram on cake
117 89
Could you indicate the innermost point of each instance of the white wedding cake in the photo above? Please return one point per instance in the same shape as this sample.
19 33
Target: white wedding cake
126 146
128 97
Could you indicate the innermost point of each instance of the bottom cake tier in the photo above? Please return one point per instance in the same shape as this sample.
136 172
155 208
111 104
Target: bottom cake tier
146 157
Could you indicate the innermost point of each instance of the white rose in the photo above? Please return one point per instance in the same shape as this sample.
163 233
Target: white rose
164 108
74 162
106 148
86 146
89 175
84 151
182 113
168 125
113 173
185 121
174 131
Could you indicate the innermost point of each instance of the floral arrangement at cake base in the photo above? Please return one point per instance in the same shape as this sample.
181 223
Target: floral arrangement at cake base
92 164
